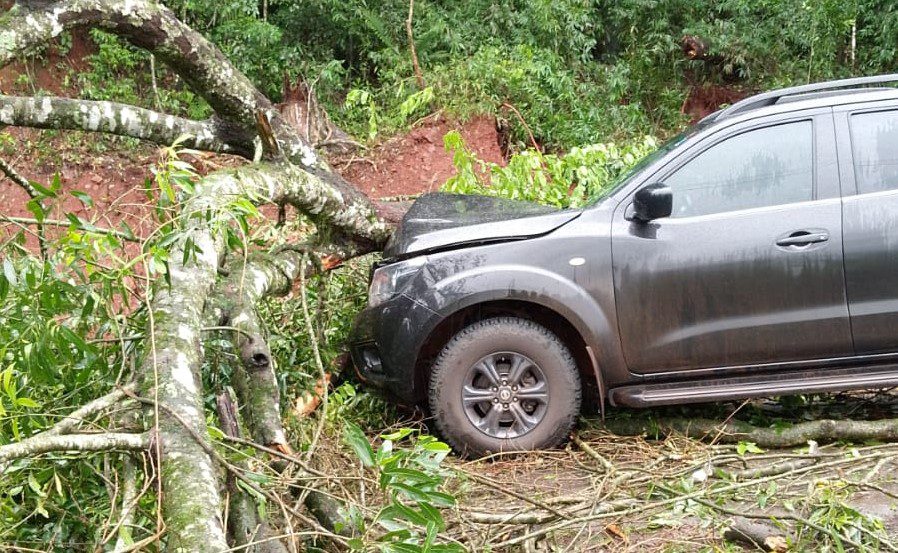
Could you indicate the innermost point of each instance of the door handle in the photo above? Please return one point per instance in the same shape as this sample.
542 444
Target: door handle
803 238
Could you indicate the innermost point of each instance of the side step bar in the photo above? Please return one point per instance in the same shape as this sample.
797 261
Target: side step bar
808 381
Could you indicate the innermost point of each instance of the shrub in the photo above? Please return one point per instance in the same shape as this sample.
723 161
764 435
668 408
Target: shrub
568 180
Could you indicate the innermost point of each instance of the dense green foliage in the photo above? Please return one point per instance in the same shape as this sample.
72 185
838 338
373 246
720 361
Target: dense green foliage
579 71
568 180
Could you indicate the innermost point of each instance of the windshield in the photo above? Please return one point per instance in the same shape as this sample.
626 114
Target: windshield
625 177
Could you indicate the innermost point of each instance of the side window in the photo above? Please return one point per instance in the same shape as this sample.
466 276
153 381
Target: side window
761 167
874 142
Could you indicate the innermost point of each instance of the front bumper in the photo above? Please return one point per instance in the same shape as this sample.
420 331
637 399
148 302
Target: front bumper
384 345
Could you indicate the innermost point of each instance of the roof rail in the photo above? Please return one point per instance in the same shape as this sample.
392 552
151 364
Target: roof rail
772 97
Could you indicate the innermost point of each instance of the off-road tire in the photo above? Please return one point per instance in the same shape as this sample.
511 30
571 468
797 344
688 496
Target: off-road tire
504 334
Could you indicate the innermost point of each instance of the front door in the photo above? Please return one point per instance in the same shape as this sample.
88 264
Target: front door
748 268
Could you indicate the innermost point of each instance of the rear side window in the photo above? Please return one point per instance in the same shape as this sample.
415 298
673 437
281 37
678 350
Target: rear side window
874 139
758 168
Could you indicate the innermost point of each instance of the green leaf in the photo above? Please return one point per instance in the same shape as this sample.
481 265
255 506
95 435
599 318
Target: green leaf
397 435
27 402
748 447
35 486
411 492
43 190
37 209
355 438
77 222
83 197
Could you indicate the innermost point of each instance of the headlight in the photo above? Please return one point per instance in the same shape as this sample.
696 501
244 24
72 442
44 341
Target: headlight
389 280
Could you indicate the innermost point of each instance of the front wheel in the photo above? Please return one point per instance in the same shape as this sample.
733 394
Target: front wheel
504 384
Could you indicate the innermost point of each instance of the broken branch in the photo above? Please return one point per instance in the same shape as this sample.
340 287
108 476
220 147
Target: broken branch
825 430
121 120
69 423
43 443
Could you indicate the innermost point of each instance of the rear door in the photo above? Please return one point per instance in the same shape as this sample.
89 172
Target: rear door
748 269
868 155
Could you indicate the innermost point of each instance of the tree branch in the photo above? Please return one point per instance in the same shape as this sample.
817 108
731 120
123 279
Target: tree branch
121 120
58 223
153 27
68 424
245 524
43 443
732 431
288 184
233 303
14 176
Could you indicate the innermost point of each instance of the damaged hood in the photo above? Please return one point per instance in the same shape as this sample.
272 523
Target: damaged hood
440 221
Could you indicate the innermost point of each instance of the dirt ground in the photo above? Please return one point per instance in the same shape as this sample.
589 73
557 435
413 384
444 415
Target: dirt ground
416 162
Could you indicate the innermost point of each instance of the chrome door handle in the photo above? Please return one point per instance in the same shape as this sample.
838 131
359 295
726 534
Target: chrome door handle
803 238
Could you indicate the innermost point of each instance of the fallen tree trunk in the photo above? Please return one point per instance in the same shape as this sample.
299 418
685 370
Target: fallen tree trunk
762 535
245 526
732 431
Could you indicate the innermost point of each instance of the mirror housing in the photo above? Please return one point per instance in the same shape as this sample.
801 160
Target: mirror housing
652 202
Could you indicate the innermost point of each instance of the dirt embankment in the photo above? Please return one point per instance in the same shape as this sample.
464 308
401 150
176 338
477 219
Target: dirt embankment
417 162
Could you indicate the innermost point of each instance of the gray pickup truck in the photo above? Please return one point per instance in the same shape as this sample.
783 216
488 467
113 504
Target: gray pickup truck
756 254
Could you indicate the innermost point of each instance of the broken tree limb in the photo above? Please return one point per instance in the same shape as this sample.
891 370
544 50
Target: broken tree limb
245 526
14 175
42 443
284 183
122 120
824 430
233 304
694 47
71 422
205 69
300 108
255 381
762 535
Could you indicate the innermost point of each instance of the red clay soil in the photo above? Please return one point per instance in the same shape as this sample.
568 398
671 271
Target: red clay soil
116 180
705 100
416 162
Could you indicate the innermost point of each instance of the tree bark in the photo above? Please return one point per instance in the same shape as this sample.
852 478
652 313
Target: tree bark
246 528
42 443
733 431
762 535
121 120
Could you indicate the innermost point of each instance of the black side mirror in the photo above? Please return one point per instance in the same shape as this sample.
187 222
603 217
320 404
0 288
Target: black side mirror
652 202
